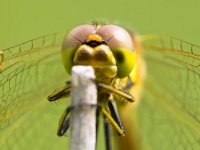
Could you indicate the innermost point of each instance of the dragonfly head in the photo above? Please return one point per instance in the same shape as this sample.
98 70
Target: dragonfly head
109 49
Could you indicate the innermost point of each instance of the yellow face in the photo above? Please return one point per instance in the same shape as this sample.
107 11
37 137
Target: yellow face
109 49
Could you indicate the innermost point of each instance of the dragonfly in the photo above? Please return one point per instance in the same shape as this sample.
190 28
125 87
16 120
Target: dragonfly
161 74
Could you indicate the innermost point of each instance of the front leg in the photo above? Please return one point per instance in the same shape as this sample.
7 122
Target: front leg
114 114
60 92
64 122
123 94
113 122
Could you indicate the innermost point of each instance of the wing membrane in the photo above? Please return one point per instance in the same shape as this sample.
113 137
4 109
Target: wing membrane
28 73
169 113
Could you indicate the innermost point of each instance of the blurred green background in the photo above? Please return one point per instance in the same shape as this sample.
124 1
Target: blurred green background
23 20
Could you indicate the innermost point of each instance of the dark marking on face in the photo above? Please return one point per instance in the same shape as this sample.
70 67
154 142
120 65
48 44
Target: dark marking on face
119 56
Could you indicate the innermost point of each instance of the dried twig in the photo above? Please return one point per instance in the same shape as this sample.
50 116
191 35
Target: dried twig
84 101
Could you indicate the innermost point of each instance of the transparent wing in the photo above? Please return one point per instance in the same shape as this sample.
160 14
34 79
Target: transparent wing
169 113
29 72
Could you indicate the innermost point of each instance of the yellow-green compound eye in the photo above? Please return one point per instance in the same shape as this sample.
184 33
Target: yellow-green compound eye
72 41
125 61
67 58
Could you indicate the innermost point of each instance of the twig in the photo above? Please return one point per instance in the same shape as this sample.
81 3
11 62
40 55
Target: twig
84 98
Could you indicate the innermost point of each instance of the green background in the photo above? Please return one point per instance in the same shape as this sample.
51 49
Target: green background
22 20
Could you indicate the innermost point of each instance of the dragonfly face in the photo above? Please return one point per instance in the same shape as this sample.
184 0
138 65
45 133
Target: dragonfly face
108 48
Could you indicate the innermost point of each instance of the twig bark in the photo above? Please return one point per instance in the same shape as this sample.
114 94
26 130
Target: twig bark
83 116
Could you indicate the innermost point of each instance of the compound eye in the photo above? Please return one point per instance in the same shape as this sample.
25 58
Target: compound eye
72 41
121 44
116 37
77 36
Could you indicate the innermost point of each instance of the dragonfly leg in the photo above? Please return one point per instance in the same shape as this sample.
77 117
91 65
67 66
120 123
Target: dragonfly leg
114 114
112 121
97 125
107 134
64 122
60 92
117 92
